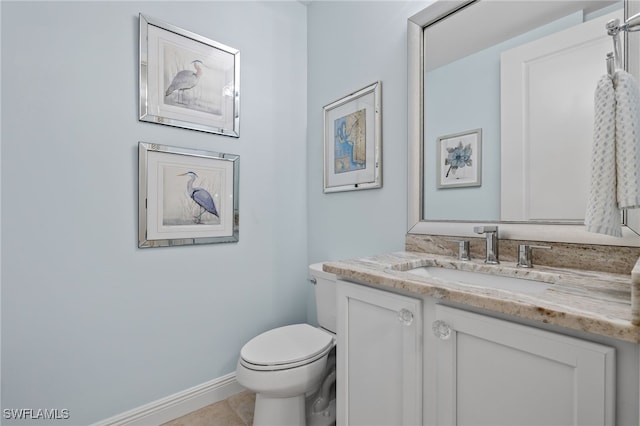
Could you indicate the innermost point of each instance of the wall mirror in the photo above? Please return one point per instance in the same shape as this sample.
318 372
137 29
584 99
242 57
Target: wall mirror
501 115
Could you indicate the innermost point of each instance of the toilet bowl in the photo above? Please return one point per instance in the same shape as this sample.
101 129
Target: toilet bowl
282 366
287 367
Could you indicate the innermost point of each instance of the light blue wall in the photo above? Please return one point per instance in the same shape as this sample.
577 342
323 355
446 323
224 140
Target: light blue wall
95 325
351 45
90 322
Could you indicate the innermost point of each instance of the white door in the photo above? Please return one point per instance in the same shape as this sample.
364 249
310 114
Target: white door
494 372
546 90
379 357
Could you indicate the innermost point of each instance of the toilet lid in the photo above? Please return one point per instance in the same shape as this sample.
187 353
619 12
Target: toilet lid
286 345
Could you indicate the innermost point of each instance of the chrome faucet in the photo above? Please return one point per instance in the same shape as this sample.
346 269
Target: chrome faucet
524 254
463 249
491 233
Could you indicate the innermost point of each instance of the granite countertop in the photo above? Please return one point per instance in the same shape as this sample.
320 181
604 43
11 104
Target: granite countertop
595 302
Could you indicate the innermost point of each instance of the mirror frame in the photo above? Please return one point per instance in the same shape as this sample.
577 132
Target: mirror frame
568 233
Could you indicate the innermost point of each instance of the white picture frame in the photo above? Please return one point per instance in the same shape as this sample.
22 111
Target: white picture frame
353 141
187 80
186 196
459 160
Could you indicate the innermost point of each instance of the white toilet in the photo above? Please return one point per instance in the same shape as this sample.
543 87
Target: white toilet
288 367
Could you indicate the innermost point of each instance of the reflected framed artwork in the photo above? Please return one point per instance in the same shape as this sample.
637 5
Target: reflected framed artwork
186 196
353 141
459 159
187 80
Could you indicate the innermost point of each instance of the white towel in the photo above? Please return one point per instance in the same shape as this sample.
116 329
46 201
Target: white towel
627 140
602 215
615 160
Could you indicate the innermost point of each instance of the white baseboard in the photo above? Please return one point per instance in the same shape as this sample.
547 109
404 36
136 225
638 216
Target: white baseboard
178 404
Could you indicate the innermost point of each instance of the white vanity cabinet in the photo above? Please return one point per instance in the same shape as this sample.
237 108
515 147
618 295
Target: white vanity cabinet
495 372
379 357
412 361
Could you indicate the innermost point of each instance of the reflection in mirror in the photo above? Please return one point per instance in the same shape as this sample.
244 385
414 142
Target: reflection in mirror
542 120
523 74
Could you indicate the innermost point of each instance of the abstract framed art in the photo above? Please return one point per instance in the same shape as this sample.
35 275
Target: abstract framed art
460 159
353 141
187 80
186 196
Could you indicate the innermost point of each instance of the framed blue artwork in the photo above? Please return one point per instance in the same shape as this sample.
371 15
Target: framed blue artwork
353 141
459 159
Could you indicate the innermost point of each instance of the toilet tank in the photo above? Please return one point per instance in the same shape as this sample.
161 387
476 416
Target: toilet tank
326 299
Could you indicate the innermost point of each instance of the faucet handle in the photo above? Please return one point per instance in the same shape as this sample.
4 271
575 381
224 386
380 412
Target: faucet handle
485 229
463 249
524 254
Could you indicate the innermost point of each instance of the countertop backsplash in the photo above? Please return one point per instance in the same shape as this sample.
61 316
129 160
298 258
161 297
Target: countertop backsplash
611 259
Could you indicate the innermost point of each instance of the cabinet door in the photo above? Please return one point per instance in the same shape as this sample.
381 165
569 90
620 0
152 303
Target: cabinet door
494 372
379 357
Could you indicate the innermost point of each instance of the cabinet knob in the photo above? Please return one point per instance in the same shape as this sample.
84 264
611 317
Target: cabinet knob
441 330
405 316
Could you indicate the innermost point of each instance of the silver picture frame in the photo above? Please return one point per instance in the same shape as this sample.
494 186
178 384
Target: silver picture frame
187 80
186 196
353 141
459 159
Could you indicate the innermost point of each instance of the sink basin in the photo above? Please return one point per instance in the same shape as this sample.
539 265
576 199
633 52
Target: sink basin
517 285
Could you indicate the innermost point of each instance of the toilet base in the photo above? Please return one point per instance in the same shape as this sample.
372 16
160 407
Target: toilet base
279 411
323 418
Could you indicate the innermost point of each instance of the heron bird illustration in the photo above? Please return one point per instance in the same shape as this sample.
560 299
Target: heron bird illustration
185 80
201 197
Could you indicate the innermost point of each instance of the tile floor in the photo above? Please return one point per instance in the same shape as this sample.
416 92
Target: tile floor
237 410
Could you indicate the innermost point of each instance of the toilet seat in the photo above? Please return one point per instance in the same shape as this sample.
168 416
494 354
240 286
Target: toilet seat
286 347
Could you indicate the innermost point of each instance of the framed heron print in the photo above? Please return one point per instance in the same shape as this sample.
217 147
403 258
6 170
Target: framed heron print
187 80
353 141
186 196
